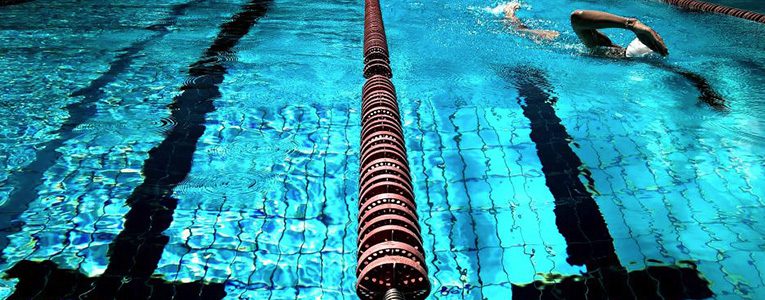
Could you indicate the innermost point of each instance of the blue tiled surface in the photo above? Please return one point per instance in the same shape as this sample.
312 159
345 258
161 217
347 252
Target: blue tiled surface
269 207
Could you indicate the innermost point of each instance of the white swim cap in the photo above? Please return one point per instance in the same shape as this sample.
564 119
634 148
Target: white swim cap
638 49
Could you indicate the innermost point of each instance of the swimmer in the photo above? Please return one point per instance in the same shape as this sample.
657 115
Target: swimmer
587 22
586 25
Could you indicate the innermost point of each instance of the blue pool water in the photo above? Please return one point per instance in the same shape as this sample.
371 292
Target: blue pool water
258 192
752 5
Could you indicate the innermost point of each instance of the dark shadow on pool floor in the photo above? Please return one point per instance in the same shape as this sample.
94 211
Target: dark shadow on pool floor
44 280
12 2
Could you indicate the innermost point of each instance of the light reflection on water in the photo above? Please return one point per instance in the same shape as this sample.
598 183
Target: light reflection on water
270 204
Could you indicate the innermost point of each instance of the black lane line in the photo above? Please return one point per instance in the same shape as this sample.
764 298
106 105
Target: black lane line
579 219
12 2
26 182
707 93
135 252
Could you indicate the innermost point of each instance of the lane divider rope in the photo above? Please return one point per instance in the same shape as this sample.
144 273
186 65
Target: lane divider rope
716 8
391 260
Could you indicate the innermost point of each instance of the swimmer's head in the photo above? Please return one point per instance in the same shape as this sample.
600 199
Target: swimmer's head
638 49
504 8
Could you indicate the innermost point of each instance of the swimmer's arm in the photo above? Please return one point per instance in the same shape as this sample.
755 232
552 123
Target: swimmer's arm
587 22
592 20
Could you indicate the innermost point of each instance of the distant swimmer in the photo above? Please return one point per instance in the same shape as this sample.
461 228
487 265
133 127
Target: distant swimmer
586 25
513 21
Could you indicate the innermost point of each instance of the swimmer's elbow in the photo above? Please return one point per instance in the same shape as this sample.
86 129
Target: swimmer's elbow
576 16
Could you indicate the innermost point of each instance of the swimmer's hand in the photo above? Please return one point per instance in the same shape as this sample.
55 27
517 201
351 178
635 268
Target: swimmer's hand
649 37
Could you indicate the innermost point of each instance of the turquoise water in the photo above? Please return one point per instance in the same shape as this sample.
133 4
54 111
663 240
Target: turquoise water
268 207
752 5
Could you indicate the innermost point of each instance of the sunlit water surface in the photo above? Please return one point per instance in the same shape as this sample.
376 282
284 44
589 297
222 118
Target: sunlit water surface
269 206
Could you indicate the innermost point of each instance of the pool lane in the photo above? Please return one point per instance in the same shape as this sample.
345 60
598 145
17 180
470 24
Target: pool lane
81 203
25 184
290 116
137 249
649 146
580 220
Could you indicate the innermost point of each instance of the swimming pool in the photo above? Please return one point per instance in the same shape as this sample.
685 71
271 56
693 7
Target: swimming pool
256 186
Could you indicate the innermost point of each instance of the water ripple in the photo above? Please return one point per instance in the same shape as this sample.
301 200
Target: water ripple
136 126
265 149
226 184
164 125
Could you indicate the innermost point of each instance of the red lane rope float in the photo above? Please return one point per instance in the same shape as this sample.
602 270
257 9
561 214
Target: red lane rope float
391 260
716 8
